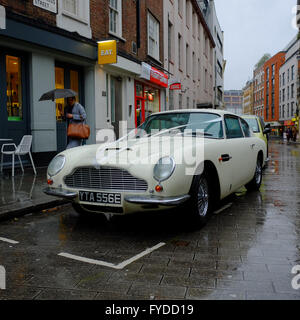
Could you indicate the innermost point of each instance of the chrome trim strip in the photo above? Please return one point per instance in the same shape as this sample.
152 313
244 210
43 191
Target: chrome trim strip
153 200
60 193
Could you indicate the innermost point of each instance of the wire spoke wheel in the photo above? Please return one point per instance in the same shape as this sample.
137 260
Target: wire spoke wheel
258 173
203 197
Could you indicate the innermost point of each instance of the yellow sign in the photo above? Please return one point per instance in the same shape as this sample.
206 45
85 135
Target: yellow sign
107 52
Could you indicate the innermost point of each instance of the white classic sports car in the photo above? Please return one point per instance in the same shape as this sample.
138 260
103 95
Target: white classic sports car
187 158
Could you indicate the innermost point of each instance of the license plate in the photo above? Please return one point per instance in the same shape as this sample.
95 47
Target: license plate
100 197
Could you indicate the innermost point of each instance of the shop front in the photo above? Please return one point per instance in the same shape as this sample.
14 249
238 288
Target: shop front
149 94
15 120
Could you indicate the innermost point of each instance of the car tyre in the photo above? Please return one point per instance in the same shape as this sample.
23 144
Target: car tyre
201 202
255 183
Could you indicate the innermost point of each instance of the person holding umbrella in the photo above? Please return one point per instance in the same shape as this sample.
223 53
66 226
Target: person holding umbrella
74 113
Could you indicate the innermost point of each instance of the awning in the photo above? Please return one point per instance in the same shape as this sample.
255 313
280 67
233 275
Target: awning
274 124
153 75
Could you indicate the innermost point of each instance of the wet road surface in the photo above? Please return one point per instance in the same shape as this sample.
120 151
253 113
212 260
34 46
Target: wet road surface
247 251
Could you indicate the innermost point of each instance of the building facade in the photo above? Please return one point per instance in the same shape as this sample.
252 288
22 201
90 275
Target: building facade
271 70
188 56
258 91
40 51
288 85
209 12
54 44
248 106
233 100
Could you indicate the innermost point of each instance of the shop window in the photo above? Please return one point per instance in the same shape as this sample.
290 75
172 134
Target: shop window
74 77
14 88
152 101
59 84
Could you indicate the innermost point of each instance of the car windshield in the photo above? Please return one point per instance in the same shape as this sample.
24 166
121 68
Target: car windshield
189 123
253 124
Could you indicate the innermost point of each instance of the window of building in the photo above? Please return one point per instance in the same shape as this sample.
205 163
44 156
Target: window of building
283 111
273 70
188 60
194 69
283 79
283 95
179 51
153 37
180 100
292 109
171 99
187 14
180 7
292 73
219 69
14 88
288 75
292 90
288 93
170 42
115 17
268 74
187 102
70 6
288 109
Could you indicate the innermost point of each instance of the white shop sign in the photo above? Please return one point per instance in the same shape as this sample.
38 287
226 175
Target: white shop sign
50 5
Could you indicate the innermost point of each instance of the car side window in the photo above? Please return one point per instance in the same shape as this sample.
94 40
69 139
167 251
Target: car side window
246 128
233 128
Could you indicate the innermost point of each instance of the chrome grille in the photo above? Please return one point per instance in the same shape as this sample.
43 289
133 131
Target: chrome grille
105 178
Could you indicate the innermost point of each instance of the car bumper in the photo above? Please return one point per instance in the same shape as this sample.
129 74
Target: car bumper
61 193
159 201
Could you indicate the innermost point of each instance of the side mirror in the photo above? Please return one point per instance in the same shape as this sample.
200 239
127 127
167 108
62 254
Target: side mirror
267 130
268 126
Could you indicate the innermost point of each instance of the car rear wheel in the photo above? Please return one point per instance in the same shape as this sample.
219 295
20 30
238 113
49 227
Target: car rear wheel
255 183
201 200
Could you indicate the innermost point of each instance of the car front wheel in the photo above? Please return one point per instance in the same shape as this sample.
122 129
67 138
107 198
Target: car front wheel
201 200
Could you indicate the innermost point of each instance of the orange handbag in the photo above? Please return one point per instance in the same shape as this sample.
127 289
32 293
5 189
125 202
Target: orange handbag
79 131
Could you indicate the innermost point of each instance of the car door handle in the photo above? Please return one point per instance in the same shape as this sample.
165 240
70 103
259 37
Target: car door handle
225 158
252 146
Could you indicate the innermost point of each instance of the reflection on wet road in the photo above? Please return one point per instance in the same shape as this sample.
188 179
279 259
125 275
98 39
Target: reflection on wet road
247 250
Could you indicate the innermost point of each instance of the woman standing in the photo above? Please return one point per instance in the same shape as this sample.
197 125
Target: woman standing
74 113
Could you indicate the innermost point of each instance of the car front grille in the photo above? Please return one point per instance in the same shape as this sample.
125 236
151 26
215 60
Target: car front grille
105 178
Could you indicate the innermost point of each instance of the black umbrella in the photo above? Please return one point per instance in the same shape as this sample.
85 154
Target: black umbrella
58 94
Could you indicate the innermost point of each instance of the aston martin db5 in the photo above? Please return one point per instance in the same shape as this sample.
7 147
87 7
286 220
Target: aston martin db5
188 159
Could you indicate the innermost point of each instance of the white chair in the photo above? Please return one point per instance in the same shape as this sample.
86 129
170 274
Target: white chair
22 149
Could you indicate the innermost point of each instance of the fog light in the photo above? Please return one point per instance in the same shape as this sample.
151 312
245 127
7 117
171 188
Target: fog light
159 188
50 182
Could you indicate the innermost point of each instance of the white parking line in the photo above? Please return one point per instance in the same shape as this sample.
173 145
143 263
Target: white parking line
119 266
8 240
223 208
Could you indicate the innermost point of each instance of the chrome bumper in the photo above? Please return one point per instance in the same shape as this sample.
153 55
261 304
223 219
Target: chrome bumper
61 193
152 200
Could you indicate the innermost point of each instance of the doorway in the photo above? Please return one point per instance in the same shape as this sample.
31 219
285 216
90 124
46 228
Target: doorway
116 104
66 77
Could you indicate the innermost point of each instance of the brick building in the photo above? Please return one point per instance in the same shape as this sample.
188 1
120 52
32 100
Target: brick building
248 106
233 100
48 44
271 70
258 91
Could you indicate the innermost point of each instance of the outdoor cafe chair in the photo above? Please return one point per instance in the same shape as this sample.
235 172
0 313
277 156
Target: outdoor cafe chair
22 149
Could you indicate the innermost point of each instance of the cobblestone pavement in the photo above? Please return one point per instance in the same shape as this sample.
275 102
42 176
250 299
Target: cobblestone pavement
247 251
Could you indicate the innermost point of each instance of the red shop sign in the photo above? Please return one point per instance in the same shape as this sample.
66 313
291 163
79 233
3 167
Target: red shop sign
153 75
175 86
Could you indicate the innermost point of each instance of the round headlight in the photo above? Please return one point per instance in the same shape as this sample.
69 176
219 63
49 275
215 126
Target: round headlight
164 169
56 165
